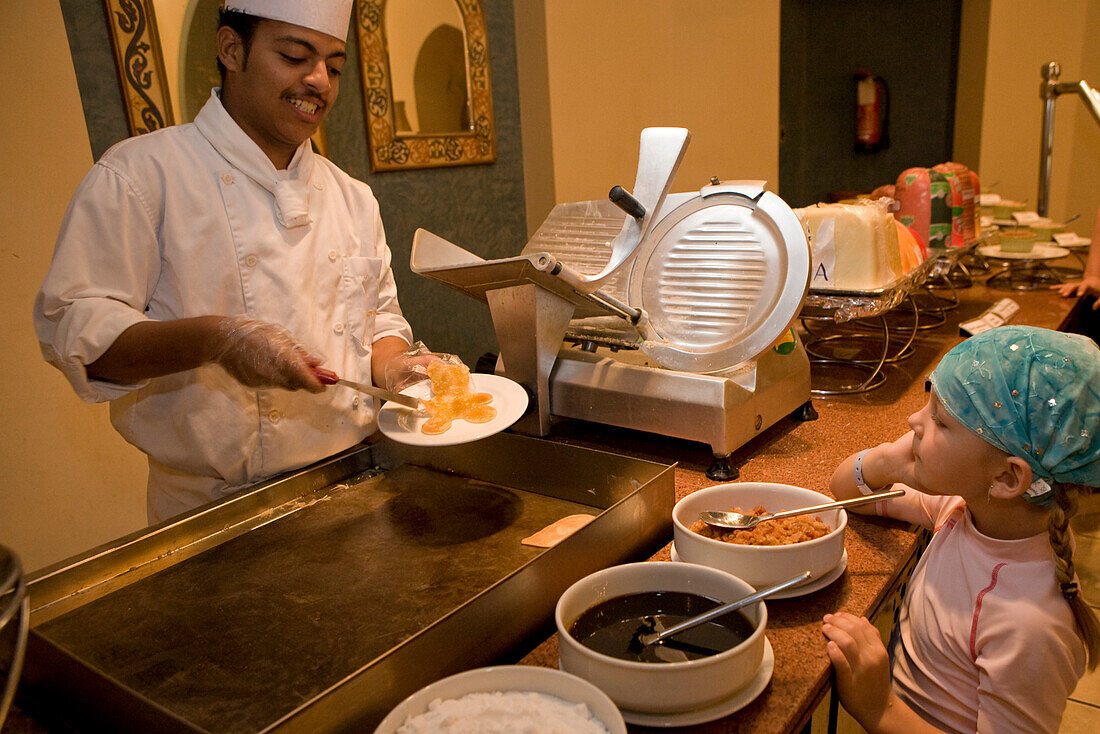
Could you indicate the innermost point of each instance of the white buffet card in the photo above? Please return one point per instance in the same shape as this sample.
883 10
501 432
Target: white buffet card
1070 239
1026 217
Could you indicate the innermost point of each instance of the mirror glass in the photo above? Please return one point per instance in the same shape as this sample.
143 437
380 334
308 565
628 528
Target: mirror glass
427 48
426 89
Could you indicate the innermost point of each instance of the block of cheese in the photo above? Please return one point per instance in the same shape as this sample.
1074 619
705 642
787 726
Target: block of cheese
855 246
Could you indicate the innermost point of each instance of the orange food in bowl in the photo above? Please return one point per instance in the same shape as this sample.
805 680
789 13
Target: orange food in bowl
784 531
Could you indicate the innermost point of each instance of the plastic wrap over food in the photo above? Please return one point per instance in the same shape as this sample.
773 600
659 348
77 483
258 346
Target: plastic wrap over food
844 306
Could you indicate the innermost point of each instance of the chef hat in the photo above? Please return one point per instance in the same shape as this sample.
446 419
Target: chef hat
1034 393
327 16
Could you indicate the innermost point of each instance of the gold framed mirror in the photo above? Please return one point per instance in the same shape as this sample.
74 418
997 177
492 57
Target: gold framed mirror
426 90
140 62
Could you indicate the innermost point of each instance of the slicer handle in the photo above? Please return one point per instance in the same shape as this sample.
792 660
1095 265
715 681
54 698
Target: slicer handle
620 198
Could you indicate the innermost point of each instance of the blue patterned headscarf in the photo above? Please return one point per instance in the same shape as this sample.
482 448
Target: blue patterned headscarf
1034 393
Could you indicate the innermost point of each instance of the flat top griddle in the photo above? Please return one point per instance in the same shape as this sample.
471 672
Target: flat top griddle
240 635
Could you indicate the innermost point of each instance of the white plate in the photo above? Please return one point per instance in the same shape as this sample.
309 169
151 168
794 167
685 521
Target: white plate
807 587
1038 252
403 424
737 701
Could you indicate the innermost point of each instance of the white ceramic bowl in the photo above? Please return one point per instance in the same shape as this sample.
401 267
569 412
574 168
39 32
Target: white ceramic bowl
660 688
508 678
760 565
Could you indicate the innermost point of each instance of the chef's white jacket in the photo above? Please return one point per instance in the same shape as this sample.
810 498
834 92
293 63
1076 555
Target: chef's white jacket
165 227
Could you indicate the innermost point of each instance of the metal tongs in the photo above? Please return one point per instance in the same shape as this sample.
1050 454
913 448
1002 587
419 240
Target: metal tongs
328 377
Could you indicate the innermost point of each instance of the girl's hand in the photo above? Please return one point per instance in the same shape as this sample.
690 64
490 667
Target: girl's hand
890 463
862 666
896 459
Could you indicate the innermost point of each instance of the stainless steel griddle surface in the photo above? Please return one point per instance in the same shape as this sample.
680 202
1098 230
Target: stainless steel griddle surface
236 637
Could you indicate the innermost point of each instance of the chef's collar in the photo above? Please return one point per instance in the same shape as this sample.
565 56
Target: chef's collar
290 187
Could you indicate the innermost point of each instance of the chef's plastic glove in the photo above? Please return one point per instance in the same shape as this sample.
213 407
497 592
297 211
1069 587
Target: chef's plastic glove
262 354
411 366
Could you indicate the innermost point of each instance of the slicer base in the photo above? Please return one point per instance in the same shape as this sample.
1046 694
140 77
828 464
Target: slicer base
722 471
724 411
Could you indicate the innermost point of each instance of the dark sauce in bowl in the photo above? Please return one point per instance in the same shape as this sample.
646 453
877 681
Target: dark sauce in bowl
611 627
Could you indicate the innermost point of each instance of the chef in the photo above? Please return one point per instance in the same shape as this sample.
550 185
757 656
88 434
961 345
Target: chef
203 271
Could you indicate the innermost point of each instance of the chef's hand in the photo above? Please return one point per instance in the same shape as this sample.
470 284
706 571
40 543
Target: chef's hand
1088 286
261 354
410 366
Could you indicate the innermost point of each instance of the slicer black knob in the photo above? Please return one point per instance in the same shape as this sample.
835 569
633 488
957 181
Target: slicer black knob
620 198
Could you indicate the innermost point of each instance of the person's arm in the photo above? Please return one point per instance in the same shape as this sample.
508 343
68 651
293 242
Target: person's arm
862 668
255 353
1090 279
384 352
882 466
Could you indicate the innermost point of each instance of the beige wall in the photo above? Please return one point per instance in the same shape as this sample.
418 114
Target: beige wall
67 481
1022 38
617 66
1080 158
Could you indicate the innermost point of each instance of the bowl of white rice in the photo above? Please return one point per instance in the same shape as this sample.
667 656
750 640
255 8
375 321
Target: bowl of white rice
506 699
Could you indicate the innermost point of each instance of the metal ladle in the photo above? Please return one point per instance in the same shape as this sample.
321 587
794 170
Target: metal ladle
649 638
739 521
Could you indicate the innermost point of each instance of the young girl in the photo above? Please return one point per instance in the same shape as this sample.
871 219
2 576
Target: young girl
993 633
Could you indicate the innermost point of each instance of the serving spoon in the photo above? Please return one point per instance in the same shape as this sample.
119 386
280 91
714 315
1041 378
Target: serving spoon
739 521
644 638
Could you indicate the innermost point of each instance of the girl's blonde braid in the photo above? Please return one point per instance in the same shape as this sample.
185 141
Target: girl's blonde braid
1061 541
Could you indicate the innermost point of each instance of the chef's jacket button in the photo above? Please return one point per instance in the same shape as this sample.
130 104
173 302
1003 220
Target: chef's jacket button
318 185
227 179
355 402
338 328
251 261
274 416
332 255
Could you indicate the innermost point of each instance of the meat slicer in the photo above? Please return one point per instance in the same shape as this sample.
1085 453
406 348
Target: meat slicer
669 313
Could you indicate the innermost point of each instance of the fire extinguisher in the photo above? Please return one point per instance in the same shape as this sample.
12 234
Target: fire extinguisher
872 113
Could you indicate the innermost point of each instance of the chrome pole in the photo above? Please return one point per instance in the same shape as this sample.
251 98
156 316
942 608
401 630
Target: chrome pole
1048 91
